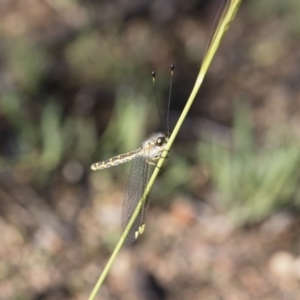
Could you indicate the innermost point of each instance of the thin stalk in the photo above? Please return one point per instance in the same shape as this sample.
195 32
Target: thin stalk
223 25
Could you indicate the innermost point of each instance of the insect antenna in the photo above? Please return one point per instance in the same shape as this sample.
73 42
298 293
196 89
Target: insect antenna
156 99
169 100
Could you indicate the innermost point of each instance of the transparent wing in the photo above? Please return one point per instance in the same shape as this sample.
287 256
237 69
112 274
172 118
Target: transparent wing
139 176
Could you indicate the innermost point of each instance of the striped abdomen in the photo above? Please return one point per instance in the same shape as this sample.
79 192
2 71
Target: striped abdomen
116 160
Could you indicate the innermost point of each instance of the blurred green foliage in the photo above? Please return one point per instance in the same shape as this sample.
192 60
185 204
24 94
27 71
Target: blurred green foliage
289 11
44 144
26 61
253 181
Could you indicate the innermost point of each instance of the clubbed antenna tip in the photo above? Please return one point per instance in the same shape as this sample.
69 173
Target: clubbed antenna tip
153 75
172 69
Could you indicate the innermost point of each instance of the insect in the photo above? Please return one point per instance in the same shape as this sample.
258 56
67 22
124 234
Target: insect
144 161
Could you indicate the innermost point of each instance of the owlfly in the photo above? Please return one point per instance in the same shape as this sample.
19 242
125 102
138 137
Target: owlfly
144 161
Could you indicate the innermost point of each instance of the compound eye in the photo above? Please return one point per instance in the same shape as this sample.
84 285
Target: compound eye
159 141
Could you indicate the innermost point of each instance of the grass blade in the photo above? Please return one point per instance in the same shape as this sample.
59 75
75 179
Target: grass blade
224 23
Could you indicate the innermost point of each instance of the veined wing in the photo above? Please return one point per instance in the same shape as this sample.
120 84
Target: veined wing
138 179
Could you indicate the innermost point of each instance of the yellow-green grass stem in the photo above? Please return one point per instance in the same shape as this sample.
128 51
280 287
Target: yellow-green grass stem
223 25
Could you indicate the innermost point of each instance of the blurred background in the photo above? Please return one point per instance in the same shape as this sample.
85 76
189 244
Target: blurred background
76 88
